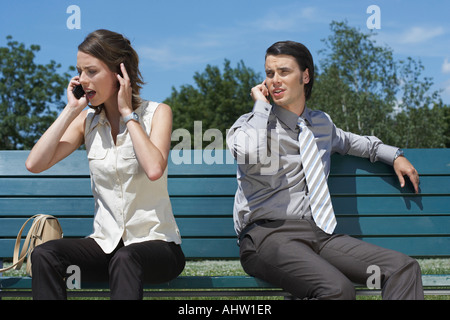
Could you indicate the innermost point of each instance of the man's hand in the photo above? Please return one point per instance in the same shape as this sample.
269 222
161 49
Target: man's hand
403 167
260 92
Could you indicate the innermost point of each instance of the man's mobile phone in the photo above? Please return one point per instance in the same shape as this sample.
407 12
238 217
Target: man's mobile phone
78 92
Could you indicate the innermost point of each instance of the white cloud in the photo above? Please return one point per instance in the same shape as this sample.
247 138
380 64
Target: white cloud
445 94
196 48
289 19
167 57
446 66
417 41
421 34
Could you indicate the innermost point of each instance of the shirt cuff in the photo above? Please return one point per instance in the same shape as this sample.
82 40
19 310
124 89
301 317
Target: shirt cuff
262 107
386 153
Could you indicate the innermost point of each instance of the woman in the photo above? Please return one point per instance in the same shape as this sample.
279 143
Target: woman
135 238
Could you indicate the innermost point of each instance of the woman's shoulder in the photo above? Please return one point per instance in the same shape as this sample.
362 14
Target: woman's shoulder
150 108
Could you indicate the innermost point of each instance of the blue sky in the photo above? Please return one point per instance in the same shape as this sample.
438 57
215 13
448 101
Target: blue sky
175 38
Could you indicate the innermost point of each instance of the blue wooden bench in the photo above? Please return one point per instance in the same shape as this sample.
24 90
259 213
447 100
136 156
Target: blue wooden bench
368 201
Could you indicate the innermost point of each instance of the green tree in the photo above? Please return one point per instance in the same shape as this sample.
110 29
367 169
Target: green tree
357 86
367 92
217 99
29 95
420 122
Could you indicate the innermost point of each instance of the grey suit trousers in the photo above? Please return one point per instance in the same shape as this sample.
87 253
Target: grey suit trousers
299 257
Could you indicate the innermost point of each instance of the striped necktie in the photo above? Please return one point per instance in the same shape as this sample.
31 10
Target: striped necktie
319 196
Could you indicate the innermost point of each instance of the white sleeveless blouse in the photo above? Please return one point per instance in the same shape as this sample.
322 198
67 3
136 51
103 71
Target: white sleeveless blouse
128 205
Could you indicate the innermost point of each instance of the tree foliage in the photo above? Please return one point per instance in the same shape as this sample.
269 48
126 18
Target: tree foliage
29 95
421 121
218 98
366 91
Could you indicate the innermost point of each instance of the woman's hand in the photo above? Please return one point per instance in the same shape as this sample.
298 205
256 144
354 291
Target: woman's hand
77 104
125 94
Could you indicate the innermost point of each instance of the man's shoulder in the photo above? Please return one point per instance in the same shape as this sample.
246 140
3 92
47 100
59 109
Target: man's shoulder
317 117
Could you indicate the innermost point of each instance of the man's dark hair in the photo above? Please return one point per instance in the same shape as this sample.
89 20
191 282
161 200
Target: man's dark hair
301 55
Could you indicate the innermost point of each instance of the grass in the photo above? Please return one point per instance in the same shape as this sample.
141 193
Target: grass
234 268
434 266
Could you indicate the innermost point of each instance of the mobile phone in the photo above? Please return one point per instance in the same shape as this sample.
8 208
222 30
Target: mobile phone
78 92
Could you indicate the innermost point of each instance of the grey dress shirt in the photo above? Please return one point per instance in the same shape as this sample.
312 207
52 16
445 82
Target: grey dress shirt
271 182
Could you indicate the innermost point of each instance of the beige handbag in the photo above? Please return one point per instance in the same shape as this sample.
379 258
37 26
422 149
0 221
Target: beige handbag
44 228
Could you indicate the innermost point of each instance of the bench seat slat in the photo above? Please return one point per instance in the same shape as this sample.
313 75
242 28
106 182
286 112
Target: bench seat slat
209 282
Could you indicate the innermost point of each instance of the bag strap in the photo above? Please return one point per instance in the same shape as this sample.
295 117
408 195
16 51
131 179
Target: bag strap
18 259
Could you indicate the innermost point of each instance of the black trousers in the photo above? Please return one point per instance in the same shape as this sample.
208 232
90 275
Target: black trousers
126 269
310 264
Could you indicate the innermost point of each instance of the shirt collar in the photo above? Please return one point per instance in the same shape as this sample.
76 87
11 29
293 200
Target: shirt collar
97 118
289 118
307 116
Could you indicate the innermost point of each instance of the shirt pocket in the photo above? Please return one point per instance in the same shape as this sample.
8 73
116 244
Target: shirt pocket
96 157
128 160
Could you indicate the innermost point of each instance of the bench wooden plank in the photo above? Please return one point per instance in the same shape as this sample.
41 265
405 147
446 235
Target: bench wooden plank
414 246
61 206
223 206
391 205
223 186
68 186
426 161
206 248
12 163
223 226
394 226
30 186
374 185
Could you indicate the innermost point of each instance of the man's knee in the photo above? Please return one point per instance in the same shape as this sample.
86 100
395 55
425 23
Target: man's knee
407 265
405 282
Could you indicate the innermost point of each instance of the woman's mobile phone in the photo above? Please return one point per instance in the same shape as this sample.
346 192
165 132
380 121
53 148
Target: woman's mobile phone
78 92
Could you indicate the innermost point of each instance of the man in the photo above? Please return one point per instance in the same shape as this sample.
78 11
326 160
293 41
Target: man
284 221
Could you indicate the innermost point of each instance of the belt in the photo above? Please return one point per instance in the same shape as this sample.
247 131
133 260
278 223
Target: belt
250 227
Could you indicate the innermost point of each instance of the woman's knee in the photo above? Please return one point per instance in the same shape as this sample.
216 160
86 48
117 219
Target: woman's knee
44 253
45 259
